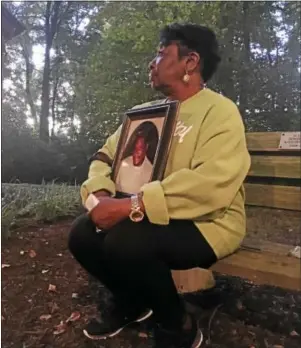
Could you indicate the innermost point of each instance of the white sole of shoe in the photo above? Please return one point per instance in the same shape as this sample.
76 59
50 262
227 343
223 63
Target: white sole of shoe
199 340
115 333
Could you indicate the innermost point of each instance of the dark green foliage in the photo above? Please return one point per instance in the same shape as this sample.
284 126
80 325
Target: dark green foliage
98 69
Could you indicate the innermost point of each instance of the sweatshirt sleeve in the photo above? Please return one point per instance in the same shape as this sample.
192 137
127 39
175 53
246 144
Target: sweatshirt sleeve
219 166
100 170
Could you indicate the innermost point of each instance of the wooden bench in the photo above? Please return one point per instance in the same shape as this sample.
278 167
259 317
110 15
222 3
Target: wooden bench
273 181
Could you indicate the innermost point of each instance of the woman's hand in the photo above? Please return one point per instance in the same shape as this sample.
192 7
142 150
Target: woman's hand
109 211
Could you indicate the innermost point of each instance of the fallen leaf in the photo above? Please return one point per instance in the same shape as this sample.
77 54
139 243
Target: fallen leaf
53 307
45 317
59 329
239 305
143 335
294 334
73 317
59 254
32 253
22 252
52 288
45 271
296 252
5 265
74 295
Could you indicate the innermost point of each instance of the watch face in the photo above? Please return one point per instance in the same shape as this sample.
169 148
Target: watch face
136 216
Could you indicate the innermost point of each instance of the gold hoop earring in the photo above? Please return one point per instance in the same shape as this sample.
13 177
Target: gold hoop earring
186 78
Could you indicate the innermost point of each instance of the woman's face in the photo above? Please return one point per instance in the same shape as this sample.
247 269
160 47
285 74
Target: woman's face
166 69
140 150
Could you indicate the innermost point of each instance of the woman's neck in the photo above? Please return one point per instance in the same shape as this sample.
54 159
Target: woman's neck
183 91
184 94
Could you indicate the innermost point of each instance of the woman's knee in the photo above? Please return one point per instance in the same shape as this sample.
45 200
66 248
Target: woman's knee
79 233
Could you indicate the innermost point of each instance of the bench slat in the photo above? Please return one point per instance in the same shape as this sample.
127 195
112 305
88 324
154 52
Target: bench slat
274 196
264 245
276 166
260 267
263 268
261 141
264 141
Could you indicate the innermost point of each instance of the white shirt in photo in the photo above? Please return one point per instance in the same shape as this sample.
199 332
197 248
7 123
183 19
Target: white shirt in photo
131 178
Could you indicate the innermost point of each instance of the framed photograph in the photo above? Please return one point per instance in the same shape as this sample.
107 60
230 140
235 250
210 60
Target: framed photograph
143 146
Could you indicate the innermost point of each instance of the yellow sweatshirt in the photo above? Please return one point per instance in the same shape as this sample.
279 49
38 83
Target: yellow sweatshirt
206 168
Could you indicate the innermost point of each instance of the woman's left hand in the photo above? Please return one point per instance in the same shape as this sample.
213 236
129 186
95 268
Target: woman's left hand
110 211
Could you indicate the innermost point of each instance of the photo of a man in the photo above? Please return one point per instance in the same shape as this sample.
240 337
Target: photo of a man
138 158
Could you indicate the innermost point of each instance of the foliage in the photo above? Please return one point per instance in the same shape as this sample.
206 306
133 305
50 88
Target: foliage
25 204
31 160
259 43
98 69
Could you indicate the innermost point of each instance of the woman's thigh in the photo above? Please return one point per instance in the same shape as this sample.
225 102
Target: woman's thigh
180 244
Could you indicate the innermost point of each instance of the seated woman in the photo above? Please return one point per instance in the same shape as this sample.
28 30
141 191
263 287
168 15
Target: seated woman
191 218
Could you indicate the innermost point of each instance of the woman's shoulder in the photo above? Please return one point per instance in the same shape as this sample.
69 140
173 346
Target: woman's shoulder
149 103
219 100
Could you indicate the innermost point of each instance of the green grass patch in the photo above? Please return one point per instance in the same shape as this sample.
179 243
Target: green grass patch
26 204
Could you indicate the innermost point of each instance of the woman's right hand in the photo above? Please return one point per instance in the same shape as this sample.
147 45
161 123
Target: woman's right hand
101 193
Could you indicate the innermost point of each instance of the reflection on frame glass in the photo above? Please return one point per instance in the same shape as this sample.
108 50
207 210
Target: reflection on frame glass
143 147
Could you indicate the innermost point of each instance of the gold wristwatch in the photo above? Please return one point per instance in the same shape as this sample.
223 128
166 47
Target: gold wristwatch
136 214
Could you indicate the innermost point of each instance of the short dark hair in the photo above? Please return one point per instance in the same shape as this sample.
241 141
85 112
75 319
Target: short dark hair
149 132
195 38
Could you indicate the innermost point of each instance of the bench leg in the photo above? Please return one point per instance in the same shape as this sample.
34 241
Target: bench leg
193 280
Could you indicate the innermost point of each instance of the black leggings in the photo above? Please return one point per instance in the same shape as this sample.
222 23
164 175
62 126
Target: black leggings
134 261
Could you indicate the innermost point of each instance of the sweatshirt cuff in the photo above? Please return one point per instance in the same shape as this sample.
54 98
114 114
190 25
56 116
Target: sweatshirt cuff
154 203
95 184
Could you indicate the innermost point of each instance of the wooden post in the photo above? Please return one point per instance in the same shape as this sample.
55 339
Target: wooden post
195 279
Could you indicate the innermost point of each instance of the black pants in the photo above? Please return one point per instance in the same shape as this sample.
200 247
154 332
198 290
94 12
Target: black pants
134 261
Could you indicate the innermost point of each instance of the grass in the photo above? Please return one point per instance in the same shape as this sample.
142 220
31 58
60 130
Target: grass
26 203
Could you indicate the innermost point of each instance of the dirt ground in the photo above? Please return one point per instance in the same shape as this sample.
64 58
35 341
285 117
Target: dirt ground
238 313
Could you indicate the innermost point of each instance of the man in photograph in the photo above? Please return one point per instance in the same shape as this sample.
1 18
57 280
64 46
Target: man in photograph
136 167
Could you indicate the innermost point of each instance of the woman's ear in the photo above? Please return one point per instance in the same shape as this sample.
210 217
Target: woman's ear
192 62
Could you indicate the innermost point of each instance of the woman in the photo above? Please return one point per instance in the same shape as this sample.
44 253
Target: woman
193 217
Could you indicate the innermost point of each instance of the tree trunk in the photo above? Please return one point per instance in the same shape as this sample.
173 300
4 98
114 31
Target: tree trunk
26 46
44 123
54 95
227 79
244 76
51 26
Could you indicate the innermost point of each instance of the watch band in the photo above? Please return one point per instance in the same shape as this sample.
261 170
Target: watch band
136 214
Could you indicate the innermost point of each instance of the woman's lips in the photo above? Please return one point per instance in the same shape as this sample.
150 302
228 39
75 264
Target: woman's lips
151 77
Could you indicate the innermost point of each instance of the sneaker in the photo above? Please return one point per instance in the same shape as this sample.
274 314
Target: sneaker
111 325
191 338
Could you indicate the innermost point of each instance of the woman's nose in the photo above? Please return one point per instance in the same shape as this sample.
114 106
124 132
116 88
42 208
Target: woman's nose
151 65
